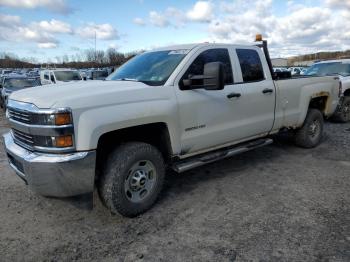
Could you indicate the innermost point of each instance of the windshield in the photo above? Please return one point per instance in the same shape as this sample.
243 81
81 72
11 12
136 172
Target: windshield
15 84
66 76
151 68
100 74
333 68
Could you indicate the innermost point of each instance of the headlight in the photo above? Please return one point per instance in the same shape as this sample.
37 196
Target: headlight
55 119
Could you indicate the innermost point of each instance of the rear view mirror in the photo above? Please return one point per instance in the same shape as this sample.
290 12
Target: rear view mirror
213 78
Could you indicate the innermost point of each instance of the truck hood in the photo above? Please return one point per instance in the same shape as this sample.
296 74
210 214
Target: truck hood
74 94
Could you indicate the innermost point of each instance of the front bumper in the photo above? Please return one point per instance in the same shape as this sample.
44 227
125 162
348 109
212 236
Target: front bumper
56 175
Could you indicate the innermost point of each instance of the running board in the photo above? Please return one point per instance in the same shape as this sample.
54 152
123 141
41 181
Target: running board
192 162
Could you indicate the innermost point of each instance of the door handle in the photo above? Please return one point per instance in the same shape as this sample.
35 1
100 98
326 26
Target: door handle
232 95
267 90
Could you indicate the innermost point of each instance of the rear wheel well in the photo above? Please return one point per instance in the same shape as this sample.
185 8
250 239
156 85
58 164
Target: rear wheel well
319 103
347 92
156 134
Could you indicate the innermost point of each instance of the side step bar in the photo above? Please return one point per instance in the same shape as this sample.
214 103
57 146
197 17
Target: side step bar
192 162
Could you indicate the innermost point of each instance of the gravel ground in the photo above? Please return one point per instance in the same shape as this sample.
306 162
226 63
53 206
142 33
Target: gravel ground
278 203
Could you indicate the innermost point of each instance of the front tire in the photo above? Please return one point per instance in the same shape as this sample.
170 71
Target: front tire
310 134
342 114
132 179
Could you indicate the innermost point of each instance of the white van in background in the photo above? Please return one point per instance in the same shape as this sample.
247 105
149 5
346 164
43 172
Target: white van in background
55 76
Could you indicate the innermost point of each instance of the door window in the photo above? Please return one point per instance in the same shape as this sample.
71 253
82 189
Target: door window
252 70
208 56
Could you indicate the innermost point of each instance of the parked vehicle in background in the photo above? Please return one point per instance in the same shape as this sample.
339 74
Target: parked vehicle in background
179 107
279 69
294 70
15 83
5 72
339 68
97 74
303 70
55 76
33 73
1 82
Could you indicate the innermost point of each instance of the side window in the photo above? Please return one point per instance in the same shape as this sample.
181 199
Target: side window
52 78
251 66
208 56
46 76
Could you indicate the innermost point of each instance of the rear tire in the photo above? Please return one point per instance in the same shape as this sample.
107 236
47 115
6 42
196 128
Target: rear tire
310 134
342 114
132 179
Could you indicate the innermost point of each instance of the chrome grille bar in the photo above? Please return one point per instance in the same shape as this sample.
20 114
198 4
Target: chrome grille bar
24 138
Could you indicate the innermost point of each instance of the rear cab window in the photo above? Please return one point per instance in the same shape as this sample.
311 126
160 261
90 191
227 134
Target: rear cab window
251 66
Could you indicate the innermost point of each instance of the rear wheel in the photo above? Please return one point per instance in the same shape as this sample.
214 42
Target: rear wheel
310 134
343 112
132 179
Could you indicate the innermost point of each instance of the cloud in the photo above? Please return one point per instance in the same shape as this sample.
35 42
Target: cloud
47 45
202 11
56 6
158 19
338 3
113 46
53 26
139 21
9 20
44 33
302 29
103 31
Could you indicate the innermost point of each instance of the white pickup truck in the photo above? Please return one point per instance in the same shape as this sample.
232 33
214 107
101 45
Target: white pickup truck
340 68
176 107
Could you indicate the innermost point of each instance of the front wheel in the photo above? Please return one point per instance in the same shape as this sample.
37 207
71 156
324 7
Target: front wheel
132 179
310 134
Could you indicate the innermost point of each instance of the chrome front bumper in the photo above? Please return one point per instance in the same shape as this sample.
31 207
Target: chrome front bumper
56 175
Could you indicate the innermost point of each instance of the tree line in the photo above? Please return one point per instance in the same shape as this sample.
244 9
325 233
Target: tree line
320 56
85 59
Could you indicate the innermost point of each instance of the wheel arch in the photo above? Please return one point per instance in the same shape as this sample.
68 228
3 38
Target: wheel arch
156 134
347 92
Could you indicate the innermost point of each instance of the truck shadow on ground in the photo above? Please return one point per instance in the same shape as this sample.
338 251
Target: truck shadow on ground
235 166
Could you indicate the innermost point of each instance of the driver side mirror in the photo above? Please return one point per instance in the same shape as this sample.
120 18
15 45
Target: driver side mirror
213 78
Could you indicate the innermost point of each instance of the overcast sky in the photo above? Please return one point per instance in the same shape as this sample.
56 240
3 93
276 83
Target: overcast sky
48 28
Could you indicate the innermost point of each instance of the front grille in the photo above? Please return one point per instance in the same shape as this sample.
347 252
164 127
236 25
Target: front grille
20 116
23 138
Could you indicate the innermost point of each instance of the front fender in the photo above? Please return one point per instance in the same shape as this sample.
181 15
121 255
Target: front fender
93 123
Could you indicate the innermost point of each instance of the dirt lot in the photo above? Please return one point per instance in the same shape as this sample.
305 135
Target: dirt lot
278 203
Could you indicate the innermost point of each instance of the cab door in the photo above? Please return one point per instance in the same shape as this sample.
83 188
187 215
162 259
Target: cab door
209 118
258 92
